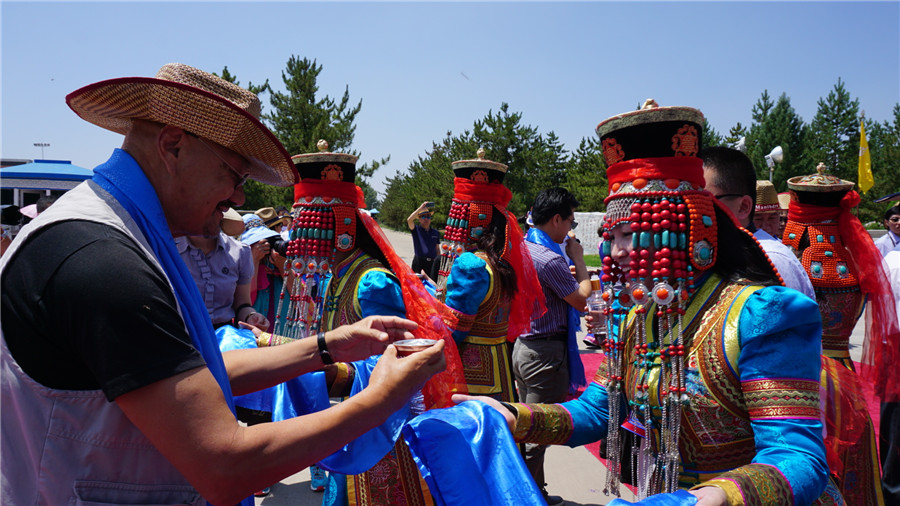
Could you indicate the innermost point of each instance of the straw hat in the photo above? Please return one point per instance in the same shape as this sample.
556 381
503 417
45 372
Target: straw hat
784 200
271 219
196 101
766 197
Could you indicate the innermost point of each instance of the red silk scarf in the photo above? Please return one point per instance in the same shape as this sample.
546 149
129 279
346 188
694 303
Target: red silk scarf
424 309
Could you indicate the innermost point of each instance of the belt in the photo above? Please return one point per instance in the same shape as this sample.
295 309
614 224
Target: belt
559 336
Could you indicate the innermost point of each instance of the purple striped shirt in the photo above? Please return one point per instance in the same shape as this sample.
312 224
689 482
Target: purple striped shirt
557 282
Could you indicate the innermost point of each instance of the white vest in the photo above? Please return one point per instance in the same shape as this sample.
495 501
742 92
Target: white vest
74 447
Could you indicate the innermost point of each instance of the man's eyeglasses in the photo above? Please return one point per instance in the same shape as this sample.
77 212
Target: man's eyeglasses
574 225
894 219
727 195
242 178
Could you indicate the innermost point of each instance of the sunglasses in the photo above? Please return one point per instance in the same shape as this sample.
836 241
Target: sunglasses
727 195
242 178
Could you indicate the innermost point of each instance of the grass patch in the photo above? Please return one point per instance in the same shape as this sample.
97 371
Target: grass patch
592 261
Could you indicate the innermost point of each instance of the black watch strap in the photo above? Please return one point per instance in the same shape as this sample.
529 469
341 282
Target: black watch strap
323 349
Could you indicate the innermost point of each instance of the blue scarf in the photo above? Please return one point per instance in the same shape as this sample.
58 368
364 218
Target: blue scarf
123 178
468 456
576 367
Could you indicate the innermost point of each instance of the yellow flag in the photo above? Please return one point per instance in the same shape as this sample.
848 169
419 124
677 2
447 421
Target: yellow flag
865 161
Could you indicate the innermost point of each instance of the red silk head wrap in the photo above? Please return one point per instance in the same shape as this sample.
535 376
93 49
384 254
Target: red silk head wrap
881 349
422 308
528 301
347 192
670 170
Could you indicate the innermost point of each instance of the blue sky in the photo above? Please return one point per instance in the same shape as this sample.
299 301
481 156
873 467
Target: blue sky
422 69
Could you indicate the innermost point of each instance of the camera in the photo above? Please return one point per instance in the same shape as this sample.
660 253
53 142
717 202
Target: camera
278 245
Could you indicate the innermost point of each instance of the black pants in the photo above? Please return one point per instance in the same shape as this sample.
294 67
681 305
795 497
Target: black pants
889 448
428 265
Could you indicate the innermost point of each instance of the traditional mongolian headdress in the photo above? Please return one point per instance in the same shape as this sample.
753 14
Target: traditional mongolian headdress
326 215
845 269
324 222
478 195
656 188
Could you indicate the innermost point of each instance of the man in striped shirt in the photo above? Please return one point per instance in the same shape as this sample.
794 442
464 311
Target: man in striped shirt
541 361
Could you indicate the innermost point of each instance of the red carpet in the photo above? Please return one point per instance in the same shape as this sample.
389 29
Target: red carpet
592 360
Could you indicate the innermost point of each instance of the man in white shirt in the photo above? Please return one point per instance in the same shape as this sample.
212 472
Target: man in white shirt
730 177
890 240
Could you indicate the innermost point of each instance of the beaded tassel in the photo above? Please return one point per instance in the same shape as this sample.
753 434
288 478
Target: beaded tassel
659 223
311 251
455 242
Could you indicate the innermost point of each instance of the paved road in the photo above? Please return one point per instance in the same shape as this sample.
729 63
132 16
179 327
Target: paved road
572 473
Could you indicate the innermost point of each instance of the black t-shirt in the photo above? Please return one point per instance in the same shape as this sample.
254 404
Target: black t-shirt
84 309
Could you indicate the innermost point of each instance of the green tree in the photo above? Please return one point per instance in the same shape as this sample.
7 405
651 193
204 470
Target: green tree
884 147
300 117
710 136
535 162
779 126
735 134
834 134
586 175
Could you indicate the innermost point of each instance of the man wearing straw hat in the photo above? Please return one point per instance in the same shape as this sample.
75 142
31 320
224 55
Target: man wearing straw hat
104 330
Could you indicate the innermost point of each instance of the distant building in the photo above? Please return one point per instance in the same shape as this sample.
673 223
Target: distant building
23 182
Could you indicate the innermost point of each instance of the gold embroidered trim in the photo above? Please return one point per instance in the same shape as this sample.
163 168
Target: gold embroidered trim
784 398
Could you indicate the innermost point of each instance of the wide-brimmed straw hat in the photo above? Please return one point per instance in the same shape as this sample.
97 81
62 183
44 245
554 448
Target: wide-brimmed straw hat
271 219
196 101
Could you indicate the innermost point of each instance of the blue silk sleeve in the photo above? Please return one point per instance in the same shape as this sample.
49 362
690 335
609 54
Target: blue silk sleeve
467 286
780 333
379 294
590 414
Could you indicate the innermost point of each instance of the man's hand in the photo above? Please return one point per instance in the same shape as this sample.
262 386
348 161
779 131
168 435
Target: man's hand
367 337
574 249
260 250
258 320
401 377
490 401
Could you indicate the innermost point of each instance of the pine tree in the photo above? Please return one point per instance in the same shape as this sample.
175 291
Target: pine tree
735 134
710 136
834 134
777 124
586 176
884 146
535 162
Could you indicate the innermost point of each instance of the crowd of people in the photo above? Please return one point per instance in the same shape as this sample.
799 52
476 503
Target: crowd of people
160 348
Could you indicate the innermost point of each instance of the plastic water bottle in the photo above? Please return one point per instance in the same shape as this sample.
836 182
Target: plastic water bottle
595 307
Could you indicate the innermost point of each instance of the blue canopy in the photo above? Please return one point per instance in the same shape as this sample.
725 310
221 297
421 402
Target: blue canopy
57 170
